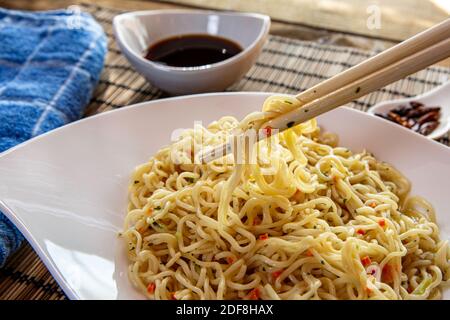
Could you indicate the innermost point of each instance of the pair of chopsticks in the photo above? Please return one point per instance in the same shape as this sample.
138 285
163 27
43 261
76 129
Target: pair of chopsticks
409 56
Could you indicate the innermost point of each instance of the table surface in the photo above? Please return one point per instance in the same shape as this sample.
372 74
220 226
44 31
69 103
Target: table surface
341 22
399 19
24 277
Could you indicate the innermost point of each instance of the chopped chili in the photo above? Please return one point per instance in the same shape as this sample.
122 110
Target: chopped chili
230 260
254 294
366 261
276 274
387 273
382 223
360 231
309 253
141 230
151 288
264 236
268 131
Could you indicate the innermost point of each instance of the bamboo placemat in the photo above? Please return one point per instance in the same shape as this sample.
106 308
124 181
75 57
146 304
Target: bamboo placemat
286 65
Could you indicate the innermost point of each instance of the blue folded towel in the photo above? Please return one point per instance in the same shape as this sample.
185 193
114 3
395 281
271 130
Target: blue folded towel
50 63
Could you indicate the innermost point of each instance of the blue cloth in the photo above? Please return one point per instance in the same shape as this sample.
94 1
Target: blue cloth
50 63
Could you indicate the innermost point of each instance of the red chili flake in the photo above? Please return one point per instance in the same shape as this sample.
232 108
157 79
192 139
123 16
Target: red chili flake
151 288
276 274
172 296
264 236
387 273
373 205
366 261
382 223
368 291
268 131
230 260
309 253
360 231
257 221
410 289
254 294
297 194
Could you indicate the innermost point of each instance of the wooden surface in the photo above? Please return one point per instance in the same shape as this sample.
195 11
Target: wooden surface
340 22
399 19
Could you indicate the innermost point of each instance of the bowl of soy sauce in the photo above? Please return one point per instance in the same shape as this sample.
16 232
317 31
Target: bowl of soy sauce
186 52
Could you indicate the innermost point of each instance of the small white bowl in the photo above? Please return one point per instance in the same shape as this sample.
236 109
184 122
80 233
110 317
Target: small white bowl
135 31
439 96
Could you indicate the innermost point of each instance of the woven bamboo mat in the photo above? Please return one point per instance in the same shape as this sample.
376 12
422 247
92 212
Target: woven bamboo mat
286 65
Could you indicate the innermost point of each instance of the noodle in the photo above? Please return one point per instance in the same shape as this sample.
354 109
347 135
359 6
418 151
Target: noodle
306 220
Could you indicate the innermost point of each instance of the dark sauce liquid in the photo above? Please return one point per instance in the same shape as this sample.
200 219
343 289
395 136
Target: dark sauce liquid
192 50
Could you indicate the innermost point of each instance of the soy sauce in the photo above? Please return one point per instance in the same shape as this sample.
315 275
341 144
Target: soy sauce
192 50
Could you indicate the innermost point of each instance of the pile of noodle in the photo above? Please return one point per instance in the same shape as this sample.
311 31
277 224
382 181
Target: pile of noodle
307 220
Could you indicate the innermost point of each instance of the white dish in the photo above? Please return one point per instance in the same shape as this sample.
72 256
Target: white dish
67 190
439 96
135 31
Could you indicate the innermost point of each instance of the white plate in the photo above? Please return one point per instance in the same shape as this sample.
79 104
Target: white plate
67 190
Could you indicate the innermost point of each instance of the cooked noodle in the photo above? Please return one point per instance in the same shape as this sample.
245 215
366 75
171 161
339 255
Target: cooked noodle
308 220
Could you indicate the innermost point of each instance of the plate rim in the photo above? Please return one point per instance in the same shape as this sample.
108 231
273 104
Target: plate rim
199 95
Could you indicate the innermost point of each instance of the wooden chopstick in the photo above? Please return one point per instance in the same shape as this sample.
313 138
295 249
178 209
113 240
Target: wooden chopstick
412 55
363 86
410 46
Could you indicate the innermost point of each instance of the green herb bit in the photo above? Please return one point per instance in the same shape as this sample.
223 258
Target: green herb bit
288 102
156 223
422 287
